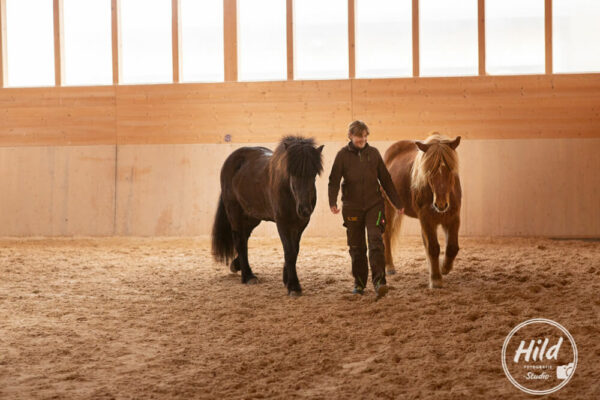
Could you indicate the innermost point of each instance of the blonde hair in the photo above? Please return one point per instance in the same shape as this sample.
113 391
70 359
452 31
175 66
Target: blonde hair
357 127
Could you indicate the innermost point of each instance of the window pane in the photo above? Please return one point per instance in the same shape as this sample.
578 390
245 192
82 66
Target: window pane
514 37
202 41
383 38
88 42
320 39
448 37
576 35
146 41
262 39
30 52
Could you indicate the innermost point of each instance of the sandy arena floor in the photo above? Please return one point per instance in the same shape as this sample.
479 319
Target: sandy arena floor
157 318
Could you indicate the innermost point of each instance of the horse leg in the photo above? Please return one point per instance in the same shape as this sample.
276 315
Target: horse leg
241 233
388 238
290 239
429 234
235 265
451 231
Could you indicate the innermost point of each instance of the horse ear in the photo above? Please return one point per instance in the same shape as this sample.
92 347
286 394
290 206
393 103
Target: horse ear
286 145
422 146
454 144
320 148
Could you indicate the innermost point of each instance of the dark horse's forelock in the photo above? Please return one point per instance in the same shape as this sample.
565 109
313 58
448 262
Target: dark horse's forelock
303 160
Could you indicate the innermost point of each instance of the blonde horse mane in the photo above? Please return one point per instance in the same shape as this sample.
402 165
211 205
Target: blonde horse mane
439 153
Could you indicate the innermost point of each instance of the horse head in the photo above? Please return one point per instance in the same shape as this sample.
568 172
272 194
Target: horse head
303 163
437 167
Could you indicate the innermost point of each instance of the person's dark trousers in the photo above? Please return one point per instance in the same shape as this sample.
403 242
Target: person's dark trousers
355 221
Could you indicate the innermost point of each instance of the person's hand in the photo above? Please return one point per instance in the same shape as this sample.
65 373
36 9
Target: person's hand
335 210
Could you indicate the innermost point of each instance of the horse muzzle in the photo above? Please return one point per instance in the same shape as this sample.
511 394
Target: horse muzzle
304 211
441 209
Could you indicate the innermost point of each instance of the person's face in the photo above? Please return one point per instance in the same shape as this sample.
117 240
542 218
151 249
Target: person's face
359 141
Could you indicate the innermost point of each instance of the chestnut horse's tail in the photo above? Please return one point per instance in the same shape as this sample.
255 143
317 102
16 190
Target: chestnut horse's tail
391 235
222 236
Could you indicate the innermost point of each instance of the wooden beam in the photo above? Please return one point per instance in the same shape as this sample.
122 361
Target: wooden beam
548 24
230 39
351 39
415 37
481 34
59 65
176 35
3 69
290 38
116 41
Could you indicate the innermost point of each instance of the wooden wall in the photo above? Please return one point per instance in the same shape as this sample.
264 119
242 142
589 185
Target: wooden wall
537 106
144 160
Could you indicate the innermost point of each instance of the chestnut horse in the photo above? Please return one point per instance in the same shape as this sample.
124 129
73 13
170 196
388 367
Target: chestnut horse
259 185
426 177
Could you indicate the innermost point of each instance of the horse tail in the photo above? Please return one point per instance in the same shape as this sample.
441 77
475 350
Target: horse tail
222 236
392 234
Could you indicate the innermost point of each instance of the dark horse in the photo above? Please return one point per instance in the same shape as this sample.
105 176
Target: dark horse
259 185
426 177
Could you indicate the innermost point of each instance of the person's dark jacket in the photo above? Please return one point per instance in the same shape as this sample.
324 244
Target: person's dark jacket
363 170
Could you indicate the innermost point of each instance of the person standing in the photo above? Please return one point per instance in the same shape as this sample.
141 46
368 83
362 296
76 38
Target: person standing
364 173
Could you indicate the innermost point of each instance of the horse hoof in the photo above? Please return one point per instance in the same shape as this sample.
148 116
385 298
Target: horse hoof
234 267
294 293
435 284
390 272
446 270
252 281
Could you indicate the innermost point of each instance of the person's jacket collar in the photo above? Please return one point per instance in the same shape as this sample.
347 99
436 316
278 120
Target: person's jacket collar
355 149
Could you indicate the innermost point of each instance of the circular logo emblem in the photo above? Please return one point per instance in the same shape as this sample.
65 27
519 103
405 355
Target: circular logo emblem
539 356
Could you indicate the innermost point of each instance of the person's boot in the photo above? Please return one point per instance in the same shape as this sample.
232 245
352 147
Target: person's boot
358 290
381 289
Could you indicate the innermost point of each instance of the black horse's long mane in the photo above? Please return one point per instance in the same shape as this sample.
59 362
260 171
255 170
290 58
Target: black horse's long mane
297 156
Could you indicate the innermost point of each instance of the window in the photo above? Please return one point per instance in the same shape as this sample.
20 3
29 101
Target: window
383 38
202 40
576 35
448 37
320 39
87 42
146 41
514 36
30 52
262 40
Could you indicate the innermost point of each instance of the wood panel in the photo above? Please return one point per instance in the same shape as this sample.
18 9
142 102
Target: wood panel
116 40
481 107
289 23
481 35
191 113
351 39
548 35
230 39
57 191
484 107
176 40
415 38
59 51
3 69
57 116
